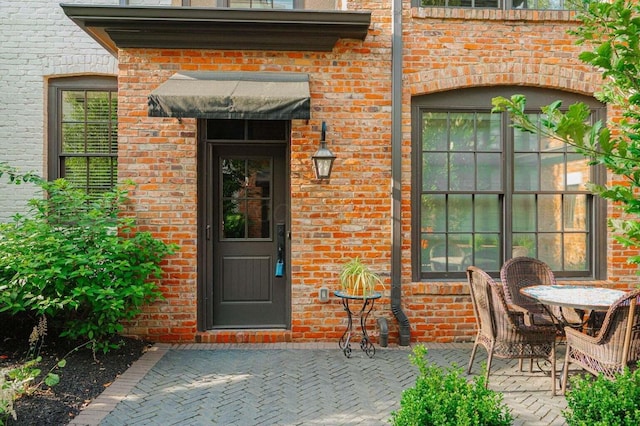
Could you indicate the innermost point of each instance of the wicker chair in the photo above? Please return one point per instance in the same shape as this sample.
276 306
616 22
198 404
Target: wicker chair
502 332
520 272
615 346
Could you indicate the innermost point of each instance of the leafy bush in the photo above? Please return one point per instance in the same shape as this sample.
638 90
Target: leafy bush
77 259
445 397
602 402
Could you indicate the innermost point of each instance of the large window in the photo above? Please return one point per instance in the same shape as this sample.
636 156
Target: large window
484 192
83 131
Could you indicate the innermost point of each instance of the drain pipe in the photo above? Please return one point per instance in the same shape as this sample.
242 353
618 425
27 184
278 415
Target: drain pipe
396 174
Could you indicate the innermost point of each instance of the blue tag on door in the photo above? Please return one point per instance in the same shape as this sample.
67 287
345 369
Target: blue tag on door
279 268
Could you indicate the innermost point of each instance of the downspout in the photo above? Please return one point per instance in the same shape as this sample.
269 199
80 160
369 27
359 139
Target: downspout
396 174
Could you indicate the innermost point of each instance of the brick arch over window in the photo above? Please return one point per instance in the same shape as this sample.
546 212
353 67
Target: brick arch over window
578 79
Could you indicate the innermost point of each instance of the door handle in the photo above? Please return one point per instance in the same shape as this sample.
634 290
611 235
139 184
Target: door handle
280 246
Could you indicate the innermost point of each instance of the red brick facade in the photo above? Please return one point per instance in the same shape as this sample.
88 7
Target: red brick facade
350 215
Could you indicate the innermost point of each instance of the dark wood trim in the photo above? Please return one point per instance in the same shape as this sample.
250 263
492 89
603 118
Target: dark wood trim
54 111
117 27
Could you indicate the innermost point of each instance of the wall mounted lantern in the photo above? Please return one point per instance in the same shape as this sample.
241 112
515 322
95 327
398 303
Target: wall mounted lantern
323 158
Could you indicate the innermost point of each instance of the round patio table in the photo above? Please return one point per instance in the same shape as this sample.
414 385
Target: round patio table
580 297
583 297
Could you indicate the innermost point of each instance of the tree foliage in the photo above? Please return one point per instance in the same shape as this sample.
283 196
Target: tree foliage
611 32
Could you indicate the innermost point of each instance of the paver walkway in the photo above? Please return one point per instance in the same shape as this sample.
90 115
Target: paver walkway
294 384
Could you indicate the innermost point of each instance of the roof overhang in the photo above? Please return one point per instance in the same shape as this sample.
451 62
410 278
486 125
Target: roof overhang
233 95
227 29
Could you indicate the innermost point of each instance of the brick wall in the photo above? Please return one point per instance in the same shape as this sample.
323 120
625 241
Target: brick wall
332 221
351 214
348 216
450 49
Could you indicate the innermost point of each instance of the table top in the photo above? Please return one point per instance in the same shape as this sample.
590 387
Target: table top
375 295
574 296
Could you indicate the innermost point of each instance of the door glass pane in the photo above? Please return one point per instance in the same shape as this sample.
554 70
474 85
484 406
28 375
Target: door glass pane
233 218
258 215
246 197
259 178
233 178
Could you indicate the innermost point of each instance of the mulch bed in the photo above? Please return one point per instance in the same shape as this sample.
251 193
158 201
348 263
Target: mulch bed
83 378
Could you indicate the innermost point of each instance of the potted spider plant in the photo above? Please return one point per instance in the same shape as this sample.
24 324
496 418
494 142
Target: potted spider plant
356 279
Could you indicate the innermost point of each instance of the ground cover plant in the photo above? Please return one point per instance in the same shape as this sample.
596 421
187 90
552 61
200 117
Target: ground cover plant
444 397
85 375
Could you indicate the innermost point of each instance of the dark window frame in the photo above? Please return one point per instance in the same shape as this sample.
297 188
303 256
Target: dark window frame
297 4
479 99
56 88
481 4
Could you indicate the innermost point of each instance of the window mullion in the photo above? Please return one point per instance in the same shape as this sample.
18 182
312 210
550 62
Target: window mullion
508 182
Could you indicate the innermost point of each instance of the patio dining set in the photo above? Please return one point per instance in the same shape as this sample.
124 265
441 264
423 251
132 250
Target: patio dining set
526 314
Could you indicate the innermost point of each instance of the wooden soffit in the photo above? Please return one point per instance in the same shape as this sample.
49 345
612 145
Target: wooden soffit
227 29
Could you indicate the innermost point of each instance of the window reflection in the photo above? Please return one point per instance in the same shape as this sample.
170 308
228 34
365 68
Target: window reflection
246 198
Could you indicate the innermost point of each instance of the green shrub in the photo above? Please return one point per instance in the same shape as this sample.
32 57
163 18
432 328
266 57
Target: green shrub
445 397
599 401
77 259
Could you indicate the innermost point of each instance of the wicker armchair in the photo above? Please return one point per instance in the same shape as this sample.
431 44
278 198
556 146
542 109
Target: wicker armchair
502 332
615 346
520 272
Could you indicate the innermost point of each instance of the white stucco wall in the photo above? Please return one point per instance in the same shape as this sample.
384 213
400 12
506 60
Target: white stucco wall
38 41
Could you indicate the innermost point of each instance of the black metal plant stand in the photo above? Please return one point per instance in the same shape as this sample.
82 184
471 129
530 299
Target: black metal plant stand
367 305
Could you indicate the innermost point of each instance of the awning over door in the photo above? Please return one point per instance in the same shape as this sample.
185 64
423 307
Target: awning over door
233 95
